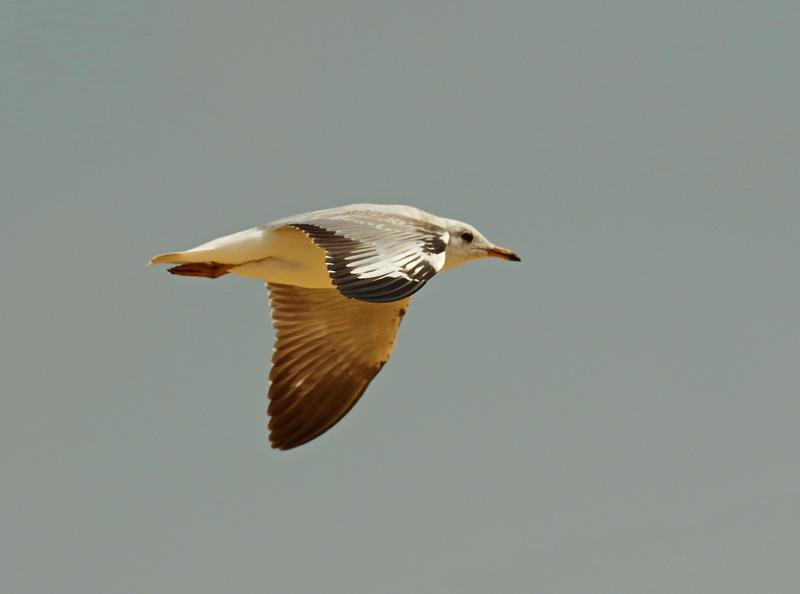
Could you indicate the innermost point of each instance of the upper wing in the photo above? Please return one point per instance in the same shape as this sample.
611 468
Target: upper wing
376 256
327 350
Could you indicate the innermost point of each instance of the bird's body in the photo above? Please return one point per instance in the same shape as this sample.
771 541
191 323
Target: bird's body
340 281
282 255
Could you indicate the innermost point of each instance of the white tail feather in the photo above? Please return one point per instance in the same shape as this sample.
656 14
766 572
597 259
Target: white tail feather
176 258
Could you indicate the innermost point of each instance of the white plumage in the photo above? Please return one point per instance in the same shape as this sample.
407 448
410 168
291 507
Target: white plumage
340 280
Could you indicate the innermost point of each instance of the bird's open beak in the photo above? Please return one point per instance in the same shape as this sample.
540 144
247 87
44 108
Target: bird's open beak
498 252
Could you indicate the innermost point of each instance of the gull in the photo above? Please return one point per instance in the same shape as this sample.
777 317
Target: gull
339 281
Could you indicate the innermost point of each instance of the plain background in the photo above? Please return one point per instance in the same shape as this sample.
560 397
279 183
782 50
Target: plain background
618 413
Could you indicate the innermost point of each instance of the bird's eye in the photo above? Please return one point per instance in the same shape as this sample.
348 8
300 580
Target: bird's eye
467 236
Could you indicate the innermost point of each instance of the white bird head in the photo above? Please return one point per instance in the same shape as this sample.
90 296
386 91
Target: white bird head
466 243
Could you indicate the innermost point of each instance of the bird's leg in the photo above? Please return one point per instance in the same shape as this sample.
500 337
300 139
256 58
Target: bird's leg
204 269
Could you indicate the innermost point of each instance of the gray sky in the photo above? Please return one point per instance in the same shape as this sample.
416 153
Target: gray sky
618 413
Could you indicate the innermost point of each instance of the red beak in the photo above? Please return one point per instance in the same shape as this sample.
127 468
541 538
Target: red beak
498 252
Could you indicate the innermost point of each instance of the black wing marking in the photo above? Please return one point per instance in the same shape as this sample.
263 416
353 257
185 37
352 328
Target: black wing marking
377 257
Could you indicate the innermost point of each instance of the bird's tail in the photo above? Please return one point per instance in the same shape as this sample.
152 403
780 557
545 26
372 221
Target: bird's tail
176 258
190 267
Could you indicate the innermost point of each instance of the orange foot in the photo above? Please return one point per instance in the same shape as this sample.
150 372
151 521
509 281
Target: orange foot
204 269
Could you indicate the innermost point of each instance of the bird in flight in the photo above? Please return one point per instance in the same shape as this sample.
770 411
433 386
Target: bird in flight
340 281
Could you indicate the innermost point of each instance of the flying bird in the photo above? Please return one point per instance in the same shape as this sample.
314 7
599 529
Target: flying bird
340 281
